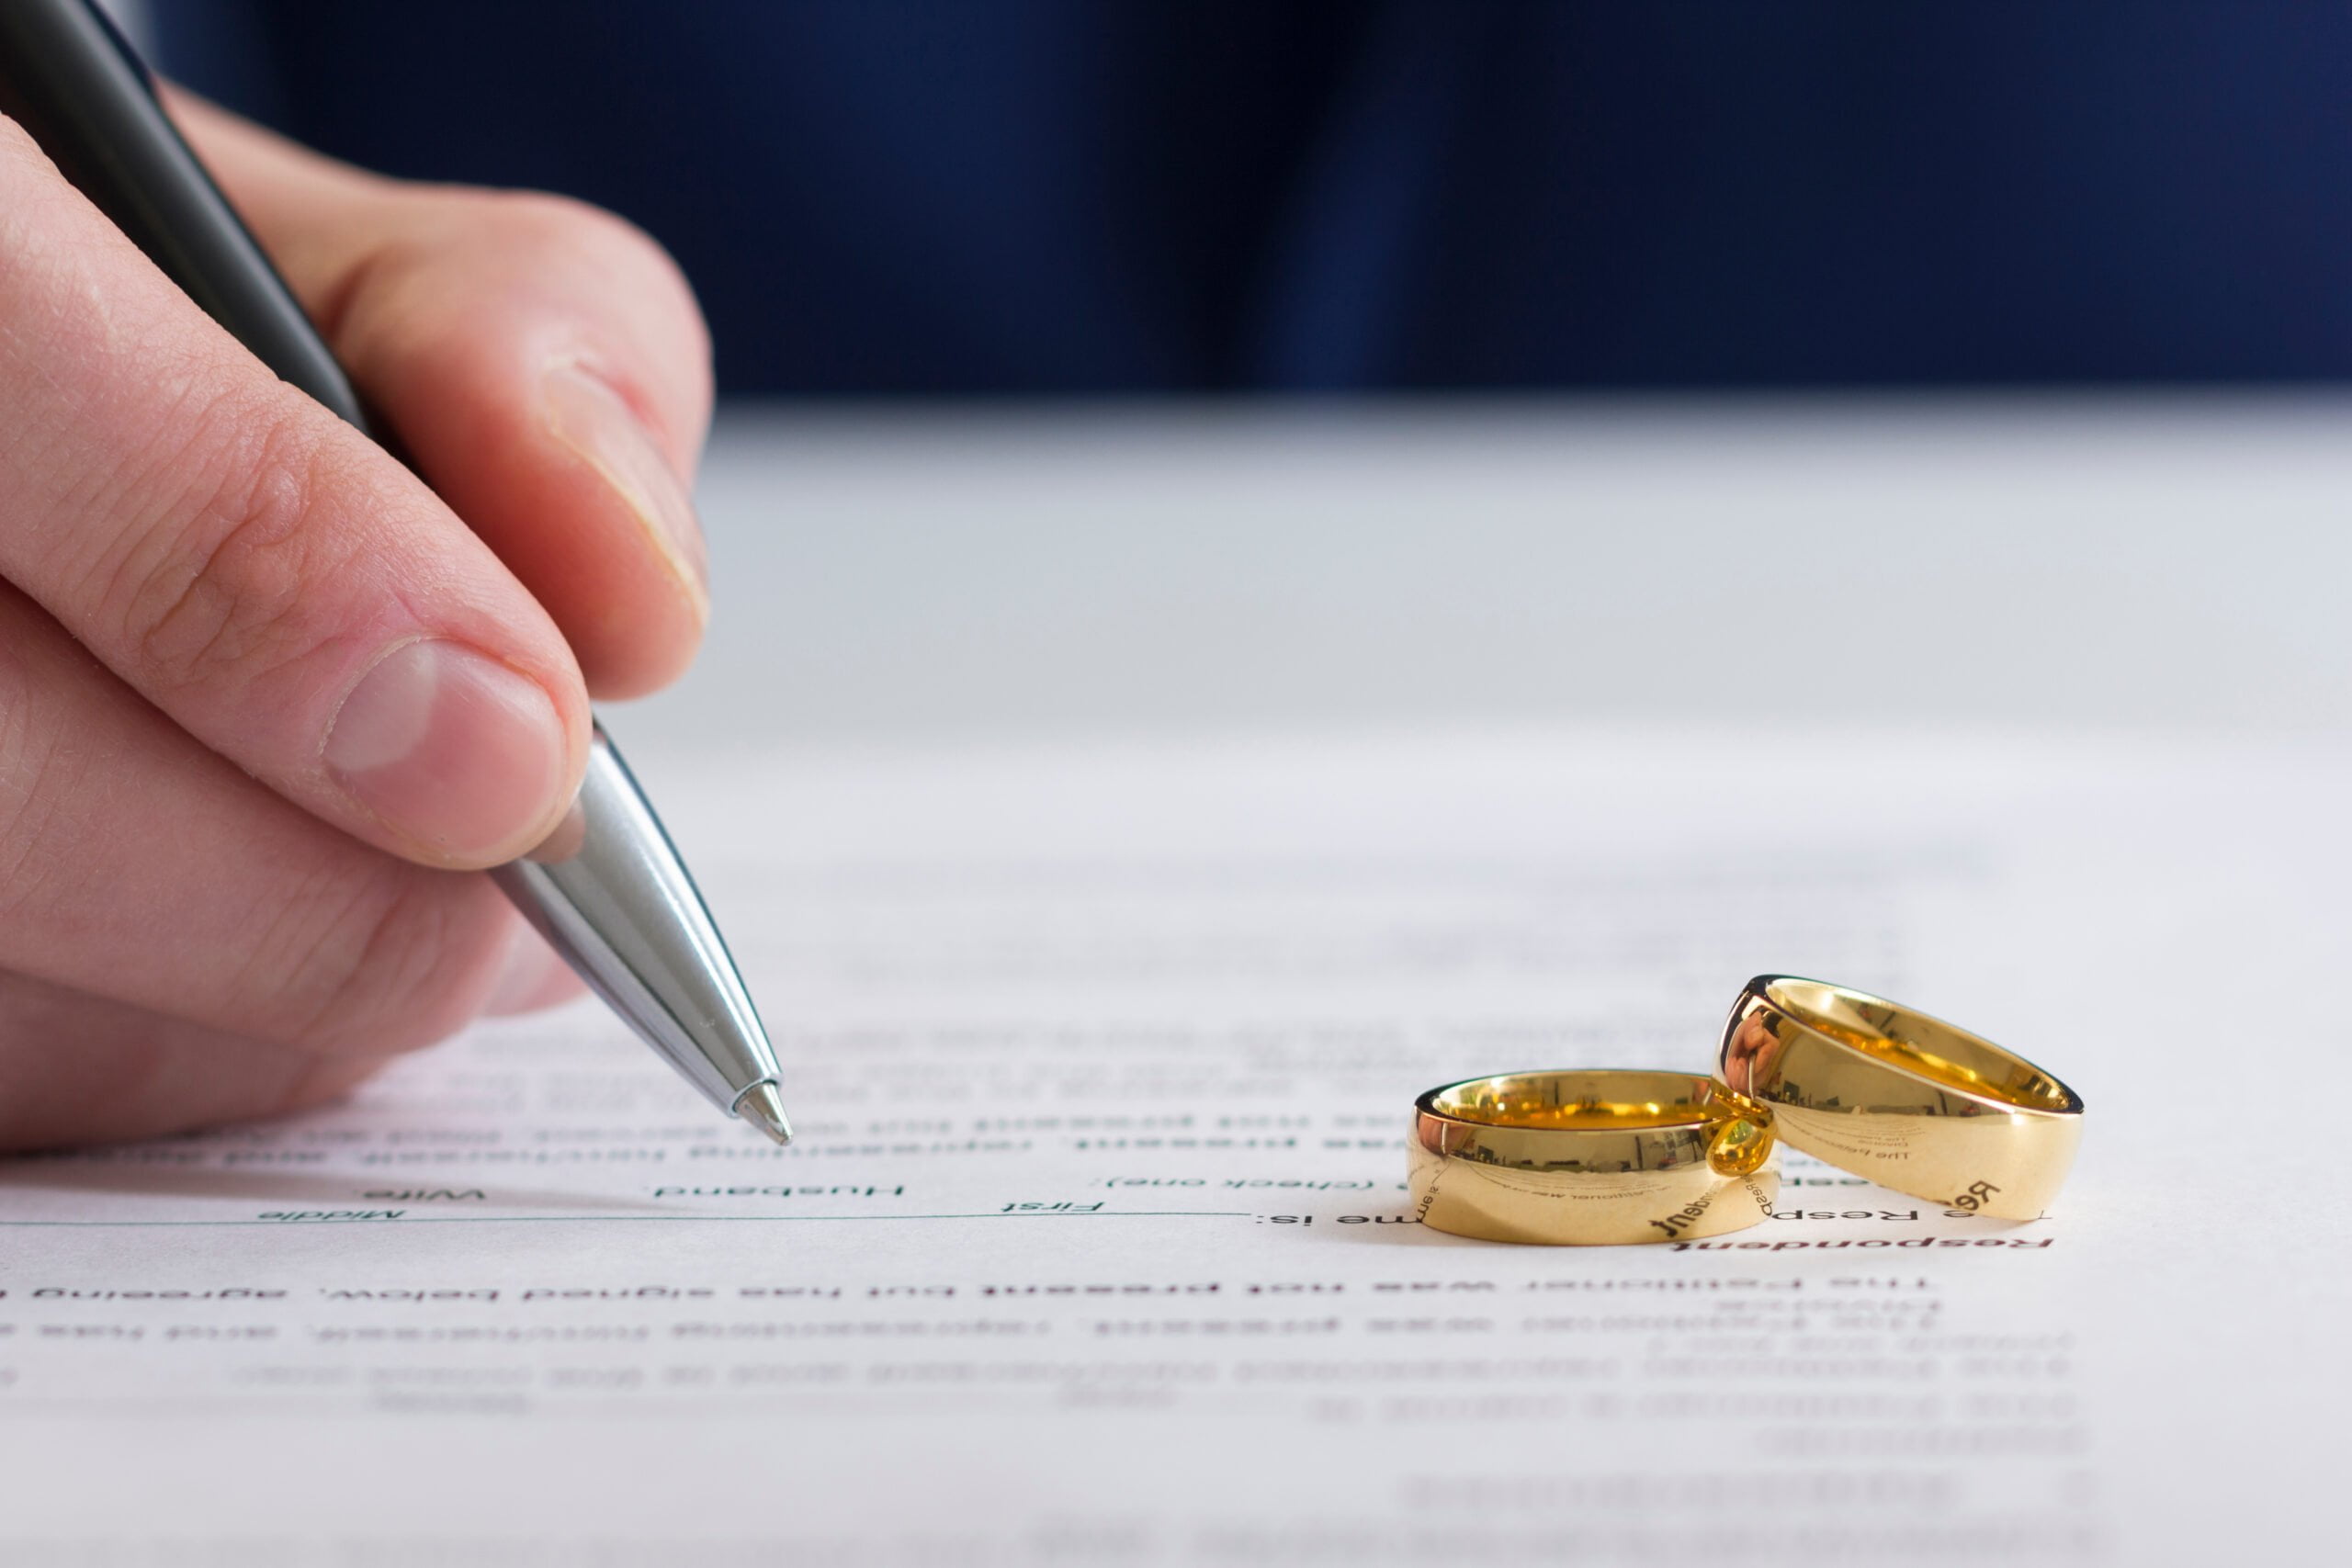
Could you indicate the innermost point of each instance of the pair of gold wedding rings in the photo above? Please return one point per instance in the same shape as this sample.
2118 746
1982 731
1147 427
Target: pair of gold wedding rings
1605 1155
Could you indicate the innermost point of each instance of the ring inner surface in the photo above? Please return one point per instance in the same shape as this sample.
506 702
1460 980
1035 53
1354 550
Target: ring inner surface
1594 1101
1916 1043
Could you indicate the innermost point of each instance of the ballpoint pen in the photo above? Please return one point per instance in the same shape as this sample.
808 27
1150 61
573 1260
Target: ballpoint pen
609 891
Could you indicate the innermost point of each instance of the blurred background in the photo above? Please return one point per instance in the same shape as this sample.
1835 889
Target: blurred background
1066 197
1108 363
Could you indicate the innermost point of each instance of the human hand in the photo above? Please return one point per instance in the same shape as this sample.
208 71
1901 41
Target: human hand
266 703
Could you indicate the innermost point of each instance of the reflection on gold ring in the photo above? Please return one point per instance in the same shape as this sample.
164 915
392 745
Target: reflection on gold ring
1593 1157
1906 1100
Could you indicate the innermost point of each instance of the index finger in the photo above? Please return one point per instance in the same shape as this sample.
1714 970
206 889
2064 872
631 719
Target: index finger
267 576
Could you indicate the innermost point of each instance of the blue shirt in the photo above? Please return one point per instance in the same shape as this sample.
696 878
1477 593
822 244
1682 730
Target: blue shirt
1080 195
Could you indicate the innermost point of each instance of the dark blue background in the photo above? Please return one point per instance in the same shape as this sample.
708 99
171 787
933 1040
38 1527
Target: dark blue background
1075 195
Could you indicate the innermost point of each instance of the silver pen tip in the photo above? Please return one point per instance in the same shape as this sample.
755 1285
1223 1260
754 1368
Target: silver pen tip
763 1108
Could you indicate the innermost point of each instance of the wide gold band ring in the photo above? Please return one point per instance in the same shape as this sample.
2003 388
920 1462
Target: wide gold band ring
1591 1157
1906 1100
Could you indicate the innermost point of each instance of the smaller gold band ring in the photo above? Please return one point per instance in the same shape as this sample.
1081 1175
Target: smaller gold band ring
1906 1100
1593 1157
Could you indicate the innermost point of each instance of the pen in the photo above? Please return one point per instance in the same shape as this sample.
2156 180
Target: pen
607 890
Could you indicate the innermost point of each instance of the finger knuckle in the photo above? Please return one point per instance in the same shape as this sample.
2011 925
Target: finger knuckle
558 231
384 962
560 224
224 583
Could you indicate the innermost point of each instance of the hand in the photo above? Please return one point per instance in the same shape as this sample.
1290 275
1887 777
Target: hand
266 703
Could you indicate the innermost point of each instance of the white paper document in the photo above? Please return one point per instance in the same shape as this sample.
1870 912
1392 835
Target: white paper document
1094 1246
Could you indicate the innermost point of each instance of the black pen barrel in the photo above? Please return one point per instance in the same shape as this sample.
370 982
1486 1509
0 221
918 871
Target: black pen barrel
72 81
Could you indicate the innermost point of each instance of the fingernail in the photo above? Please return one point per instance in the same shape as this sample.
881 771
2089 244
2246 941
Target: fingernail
593 420
452 749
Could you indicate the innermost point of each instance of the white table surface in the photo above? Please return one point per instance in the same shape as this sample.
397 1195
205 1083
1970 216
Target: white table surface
2045 563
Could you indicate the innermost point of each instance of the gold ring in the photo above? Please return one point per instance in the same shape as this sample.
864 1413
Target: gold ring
1906 1100
1594 1157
